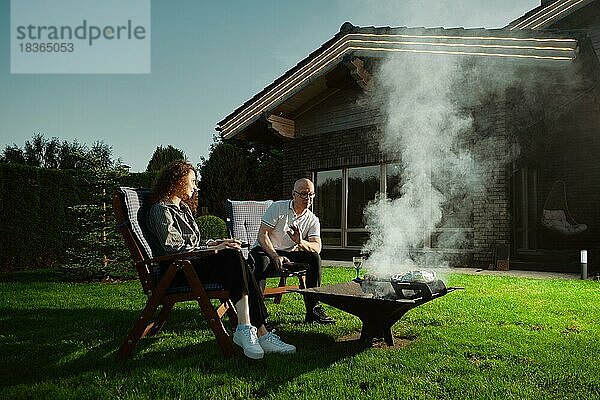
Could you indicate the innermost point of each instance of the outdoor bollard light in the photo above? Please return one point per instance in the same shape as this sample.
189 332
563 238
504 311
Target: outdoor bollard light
583 260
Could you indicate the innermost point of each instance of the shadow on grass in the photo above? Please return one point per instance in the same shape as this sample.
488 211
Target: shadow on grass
42 345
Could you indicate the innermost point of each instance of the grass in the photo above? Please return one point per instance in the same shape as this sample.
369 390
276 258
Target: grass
500 338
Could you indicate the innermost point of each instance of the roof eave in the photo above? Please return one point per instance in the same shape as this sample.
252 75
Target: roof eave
545 16
379 42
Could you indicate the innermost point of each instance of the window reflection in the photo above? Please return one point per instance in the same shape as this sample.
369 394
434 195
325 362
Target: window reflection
331 238
393 180
351 189
363 185
328 203
357 238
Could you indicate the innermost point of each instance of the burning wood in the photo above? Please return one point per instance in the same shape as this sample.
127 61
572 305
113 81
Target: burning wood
410 285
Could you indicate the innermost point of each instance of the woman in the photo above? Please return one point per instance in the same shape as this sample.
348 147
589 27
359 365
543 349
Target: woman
174 229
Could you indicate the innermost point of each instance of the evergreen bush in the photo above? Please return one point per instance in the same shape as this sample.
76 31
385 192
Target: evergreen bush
96 249
211 227
63 218
34 222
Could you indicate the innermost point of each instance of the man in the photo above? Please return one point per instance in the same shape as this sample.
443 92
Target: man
290 232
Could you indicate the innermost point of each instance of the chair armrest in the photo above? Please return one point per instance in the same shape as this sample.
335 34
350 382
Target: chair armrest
178 256
295 265
291 269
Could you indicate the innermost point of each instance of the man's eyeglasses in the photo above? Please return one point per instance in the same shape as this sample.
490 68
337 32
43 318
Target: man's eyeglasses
306 195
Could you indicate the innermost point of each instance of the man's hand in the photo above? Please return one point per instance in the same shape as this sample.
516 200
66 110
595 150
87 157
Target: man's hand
311 244
279 261
265 243
295 234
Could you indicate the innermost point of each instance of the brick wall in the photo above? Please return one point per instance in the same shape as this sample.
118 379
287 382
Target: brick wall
566 149
359 146
331 150
491 204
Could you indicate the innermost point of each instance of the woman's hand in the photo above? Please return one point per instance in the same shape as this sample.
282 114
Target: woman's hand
226 244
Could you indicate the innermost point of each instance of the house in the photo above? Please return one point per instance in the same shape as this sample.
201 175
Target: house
533 107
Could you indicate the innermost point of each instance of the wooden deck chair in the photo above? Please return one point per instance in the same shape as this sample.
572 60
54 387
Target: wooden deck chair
130 207
243 223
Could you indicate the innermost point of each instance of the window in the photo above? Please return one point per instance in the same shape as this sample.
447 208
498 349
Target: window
363 186
342 195
525 195
328 205
393 180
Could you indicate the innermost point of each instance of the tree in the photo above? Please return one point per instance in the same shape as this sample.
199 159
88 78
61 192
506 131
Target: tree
72 155
43 153
34 150
163 156
38 152
238 171
100 156
51 157
269 177
228 173
12 155
96 249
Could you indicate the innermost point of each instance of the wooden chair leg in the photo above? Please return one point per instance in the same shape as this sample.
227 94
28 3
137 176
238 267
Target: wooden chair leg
144 323
215 323
282 282
140 328
161 319
231 313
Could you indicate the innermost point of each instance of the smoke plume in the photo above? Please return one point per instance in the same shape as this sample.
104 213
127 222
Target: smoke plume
429 127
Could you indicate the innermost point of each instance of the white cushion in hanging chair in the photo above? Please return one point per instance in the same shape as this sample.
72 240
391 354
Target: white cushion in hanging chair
557 220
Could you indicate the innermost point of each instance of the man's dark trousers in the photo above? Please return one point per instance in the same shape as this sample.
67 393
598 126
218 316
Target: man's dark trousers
262 267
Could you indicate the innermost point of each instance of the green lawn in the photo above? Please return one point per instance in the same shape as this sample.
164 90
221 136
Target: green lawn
500 338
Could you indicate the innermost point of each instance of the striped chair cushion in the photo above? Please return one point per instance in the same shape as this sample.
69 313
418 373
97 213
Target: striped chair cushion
243 219
136 208
137 204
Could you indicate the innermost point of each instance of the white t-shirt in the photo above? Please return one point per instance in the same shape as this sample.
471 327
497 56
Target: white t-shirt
280 215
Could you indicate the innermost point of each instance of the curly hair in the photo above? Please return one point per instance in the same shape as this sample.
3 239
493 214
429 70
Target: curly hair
170 180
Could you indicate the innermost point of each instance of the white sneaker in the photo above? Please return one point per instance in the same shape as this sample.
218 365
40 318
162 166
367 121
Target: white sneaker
246 338
271 343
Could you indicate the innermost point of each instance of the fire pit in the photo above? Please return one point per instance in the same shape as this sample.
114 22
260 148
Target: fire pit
379 303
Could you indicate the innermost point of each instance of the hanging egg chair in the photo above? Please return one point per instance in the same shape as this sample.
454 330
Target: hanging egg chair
556 215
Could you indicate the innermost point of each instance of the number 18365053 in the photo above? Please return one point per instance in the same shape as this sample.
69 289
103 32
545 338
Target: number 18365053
46 47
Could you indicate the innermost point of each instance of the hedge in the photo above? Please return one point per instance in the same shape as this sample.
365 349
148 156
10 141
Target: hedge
38 222
34 219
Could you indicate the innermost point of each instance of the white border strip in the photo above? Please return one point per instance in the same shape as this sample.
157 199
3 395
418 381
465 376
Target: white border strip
546 14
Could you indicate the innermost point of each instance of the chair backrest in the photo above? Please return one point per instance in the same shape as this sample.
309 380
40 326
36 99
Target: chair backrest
131 208
243 219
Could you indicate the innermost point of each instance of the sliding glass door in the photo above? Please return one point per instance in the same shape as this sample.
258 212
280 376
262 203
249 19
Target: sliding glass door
343 194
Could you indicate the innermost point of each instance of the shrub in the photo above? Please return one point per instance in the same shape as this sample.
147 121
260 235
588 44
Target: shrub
63 218
212 227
